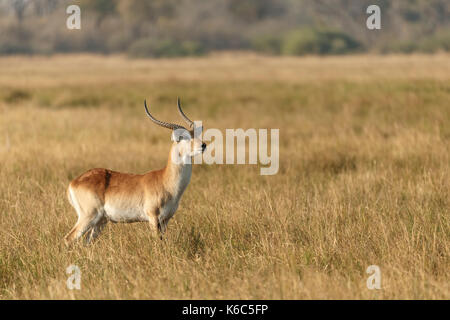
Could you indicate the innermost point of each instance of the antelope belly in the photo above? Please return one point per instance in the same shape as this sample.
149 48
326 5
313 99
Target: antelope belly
125 214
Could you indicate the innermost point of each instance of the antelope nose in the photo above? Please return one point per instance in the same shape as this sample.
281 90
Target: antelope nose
203 146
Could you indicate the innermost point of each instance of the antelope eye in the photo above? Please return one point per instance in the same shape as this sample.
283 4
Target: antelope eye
184 137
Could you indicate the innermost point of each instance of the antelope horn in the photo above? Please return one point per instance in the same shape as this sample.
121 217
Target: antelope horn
167 125
188 121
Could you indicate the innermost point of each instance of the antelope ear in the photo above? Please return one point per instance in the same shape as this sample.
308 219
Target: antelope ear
179 134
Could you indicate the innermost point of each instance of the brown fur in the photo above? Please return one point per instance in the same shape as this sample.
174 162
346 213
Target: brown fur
151 191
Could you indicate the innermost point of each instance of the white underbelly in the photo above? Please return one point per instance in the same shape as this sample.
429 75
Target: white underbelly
125 214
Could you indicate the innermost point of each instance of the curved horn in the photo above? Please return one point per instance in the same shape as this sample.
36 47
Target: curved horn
188 121
167 125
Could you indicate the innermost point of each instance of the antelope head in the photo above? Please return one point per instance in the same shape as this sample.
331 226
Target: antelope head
187 142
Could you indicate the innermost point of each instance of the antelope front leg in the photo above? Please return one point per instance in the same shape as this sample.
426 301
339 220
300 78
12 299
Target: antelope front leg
155 226
163 227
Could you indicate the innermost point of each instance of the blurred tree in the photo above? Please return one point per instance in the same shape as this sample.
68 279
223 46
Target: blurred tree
44 7
102 8
254 10
139 14
147 10
19 7
115 25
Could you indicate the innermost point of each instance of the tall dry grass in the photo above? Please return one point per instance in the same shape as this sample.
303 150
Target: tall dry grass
364 177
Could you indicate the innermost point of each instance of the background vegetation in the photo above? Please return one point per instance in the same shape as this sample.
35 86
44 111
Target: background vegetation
194 27
364 176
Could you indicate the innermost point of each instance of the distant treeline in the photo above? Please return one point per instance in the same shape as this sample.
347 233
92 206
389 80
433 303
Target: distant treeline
169 28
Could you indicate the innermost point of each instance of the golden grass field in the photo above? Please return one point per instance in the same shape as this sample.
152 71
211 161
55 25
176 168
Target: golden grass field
364 177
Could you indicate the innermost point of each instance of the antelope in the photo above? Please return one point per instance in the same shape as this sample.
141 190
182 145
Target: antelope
102 195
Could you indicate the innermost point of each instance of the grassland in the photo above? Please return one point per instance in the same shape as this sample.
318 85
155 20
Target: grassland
364 177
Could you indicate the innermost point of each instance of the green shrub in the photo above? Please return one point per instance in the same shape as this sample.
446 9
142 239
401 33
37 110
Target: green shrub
307 41
16 39
164 48
12 46
17 95
192 48
400 47
440 41
267 44
300 42
318 41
